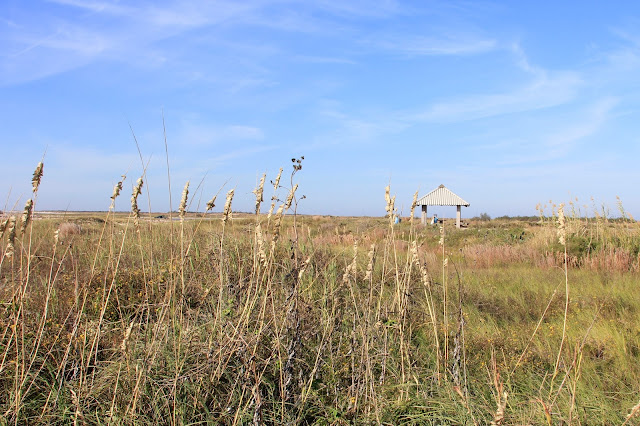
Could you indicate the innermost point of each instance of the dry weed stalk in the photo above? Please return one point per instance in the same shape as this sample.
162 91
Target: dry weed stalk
127 335
280 213
426 283
562 238
501 394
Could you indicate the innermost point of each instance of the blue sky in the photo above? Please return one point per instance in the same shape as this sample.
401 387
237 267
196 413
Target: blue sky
509 104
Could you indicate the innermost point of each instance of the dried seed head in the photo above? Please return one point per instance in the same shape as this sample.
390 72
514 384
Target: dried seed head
371 255
211 203
303 267
426 279
11 229
3 227
276 183
258 192
390 207
414 203
37 176
137 190
117 189
127 335
226 213
183 201
277 223
351 270
287 204
562 230
26 215
260 243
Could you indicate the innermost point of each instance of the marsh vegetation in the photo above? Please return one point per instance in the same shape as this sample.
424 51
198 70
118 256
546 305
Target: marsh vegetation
272 318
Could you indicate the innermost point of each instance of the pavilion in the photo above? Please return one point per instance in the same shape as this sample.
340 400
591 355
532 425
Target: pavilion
441 196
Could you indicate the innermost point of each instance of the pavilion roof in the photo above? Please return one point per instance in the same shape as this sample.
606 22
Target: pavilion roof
441 196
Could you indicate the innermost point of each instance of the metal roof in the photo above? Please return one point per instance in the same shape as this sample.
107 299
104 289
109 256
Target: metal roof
441 196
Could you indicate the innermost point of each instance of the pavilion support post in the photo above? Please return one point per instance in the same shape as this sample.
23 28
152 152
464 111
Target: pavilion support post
424 214
458 214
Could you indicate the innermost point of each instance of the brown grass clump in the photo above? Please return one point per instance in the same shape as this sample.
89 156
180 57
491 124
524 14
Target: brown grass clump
68 230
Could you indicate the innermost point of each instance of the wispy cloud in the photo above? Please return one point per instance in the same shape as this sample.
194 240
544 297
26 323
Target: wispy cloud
323 60
436 46
60 40
192 133
110 7
543 92
589 123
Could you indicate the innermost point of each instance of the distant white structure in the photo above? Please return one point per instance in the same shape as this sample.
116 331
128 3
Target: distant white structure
441 196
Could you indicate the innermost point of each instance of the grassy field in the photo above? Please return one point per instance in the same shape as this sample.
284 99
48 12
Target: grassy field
271 318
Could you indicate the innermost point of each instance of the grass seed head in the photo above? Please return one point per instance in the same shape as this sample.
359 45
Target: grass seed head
414 203
260 243
37 176
211 203
258 192
116 189
562 229
3 227
137 190
183 201
26 215
371 256
11 229
352 269
276 183
391 201
226 213
289 201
